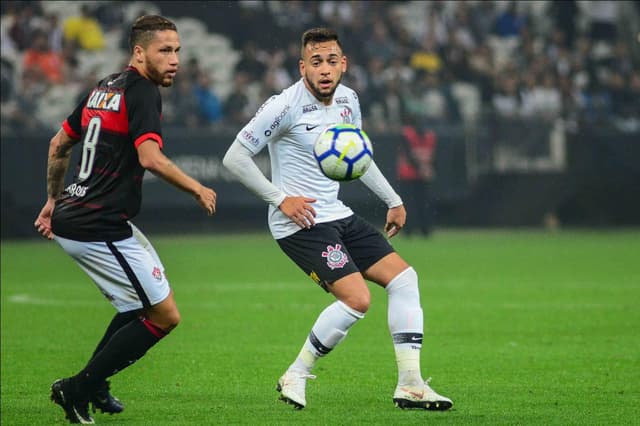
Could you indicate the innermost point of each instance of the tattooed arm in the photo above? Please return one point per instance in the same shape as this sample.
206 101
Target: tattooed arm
57 165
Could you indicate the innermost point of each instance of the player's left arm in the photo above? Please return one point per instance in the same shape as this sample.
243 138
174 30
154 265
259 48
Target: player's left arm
379 185
57 164
152 159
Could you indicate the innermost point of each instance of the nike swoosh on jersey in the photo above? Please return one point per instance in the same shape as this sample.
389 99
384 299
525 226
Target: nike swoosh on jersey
311 127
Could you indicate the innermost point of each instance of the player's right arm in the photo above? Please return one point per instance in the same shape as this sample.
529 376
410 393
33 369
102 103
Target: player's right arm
152 159
57 164
238 160
268 125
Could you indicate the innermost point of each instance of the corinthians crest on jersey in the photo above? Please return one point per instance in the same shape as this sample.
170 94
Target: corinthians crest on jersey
336 258
347 115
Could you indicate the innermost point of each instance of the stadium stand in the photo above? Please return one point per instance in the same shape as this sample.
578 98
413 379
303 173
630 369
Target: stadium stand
474 51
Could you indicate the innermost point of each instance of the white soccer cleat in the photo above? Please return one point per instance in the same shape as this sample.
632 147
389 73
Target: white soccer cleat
420 396
292 386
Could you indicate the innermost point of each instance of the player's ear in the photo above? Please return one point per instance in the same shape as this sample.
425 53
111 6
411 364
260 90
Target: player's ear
138 54
344 63
301 67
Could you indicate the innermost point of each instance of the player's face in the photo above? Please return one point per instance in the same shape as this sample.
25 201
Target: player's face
159 60
321 66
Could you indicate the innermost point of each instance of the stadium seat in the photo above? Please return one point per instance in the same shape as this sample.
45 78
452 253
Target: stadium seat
190 29
133 9
468 97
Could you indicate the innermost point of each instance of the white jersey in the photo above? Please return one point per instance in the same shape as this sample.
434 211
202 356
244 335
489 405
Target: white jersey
289 124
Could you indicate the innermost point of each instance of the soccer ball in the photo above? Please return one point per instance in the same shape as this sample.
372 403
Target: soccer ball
343 152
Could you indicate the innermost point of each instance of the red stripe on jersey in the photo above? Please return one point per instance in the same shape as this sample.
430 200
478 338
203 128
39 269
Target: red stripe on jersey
106 172
80 203
111 107
69 131
153 136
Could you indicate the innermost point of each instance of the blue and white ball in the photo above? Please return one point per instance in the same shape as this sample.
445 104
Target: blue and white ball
343 152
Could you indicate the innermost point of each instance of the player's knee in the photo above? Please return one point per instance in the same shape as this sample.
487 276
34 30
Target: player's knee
167 320
358 302
173 319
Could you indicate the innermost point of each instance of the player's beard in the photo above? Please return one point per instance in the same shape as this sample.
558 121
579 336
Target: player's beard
315 91
159 77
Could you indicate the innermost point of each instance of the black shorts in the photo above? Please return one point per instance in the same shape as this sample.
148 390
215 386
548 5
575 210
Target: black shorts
329 251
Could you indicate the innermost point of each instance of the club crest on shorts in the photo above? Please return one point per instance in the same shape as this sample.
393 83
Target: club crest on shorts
157 273
336 258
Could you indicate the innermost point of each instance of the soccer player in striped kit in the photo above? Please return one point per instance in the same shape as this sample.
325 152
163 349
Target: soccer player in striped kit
118 125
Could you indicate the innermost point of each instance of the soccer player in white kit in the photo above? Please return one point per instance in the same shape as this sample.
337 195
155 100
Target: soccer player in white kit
335 247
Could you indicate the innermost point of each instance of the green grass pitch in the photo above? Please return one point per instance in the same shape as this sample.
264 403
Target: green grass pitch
521 327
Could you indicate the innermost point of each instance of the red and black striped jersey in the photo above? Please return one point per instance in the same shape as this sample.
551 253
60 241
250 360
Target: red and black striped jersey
120 113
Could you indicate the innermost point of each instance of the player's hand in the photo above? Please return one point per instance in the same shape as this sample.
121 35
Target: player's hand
43 221
299 210
396 218
206 197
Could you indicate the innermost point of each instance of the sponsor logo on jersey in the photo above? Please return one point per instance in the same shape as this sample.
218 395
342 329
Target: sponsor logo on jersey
310 127
249 137
103 99
309 108
76 190
336 258
277 121
347 115
157 273
342 100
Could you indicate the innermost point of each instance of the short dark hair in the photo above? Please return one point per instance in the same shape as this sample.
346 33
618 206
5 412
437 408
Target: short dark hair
143 29
318 35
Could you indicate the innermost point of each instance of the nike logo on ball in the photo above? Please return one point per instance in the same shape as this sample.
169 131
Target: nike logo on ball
311 127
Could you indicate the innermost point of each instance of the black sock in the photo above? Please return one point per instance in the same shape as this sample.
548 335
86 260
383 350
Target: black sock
126 346
119 320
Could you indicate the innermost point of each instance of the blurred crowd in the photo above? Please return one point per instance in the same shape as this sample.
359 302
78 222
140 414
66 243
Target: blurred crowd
418 61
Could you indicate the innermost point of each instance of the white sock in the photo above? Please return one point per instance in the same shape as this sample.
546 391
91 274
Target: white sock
405 320
330 328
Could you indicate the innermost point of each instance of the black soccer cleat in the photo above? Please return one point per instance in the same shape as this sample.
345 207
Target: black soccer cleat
76 409
103 400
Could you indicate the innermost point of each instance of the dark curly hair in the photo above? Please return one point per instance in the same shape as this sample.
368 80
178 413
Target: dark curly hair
142 31
318 35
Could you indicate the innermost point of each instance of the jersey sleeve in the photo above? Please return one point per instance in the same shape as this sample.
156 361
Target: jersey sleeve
269 123
357 112
144 109
73 124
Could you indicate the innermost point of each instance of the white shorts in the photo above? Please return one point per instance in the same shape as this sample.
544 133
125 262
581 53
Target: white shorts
128 272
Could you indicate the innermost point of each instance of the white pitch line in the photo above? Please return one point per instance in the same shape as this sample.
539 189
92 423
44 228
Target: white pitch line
26 299
226 287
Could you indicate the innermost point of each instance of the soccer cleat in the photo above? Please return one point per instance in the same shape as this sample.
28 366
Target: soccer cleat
421 397
292 386
76 409
103 400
